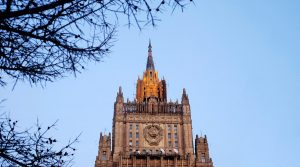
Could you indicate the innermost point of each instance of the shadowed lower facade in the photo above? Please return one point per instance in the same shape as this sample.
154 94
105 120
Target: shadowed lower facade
151 131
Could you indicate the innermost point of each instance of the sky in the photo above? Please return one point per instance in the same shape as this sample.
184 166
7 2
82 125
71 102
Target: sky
238 60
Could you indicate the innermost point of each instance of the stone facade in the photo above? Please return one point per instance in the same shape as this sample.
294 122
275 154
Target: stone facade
151 131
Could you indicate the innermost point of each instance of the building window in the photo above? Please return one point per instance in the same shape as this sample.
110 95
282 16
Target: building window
103 155
130 126
176 144
175 128
137 135
137 127
169 127
202 157
130 142
169 135
130 135
175 136
169 144
137 143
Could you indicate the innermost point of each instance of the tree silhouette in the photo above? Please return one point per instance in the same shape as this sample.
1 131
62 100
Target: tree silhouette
31 147
41 40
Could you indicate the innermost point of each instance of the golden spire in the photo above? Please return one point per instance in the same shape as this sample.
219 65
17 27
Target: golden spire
150 62
150 86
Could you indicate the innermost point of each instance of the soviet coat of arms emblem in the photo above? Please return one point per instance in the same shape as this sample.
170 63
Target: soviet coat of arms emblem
153 134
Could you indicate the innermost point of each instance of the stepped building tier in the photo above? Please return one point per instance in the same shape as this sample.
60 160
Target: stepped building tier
151 131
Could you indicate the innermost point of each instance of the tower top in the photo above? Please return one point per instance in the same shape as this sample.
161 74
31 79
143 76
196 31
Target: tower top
149 46
150 87
150 62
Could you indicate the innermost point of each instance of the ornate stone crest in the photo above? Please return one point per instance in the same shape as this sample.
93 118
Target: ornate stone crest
153 134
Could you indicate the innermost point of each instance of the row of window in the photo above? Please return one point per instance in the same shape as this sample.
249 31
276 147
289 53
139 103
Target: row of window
137 143
150 151
170 142
175 136
137 135
175 144
170 136
169 127
136 127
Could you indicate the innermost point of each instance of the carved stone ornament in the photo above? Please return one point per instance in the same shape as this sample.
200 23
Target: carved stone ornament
153 134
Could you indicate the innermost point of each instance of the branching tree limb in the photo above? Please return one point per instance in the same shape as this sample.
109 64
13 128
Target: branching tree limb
41 40
32 147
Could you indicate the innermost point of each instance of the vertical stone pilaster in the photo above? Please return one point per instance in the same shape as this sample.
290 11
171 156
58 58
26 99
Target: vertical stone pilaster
161 161
121 161
148 161
134 161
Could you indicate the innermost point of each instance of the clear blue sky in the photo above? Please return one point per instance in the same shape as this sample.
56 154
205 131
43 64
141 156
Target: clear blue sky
238 60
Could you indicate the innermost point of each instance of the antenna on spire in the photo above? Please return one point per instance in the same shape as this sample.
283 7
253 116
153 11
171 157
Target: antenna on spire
120 90
150 63
149 46
149 42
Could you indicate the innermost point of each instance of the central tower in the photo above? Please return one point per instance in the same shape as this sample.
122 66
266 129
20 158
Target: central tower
151 131
150 86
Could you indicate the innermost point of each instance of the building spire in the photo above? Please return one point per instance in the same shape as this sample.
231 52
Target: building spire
149 46
150 62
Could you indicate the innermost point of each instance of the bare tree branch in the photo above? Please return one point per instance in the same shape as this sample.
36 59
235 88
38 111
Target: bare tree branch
42 40
32 147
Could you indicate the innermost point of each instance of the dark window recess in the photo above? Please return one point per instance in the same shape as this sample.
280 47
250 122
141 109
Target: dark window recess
175 128
176 144
103 155
169 127
203 157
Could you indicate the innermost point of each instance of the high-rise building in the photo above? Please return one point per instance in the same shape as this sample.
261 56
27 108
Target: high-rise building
151 131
